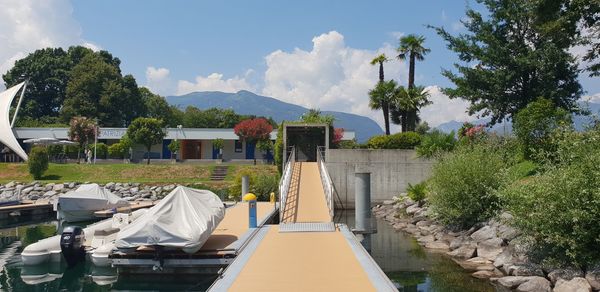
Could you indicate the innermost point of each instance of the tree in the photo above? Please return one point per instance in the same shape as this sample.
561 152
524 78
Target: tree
265 145
380 98
379 60
315 116
146 131
411 48
410 100
81 130
534 124
174 146
510 58
253 130
157 107
219 144
38 161
422 128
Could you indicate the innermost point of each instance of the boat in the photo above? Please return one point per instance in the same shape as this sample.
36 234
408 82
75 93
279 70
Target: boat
80 204
95 236
183 220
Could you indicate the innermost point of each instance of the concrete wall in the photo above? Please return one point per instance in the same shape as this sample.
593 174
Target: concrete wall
391 171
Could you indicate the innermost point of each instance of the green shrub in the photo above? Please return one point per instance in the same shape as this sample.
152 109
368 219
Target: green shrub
54 150
557 210
406 140
116 151
464 183
38 161
522 169
71 151
264 185
235 189
435 143
278 155
417 192
348 144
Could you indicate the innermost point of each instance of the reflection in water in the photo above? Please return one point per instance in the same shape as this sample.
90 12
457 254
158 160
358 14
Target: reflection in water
411 266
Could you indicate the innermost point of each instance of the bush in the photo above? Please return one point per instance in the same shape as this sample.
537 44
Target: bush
557 211
417 192
117 151
38 161
435 143
463 187
101 150
406 140
264 185
71 151
235 189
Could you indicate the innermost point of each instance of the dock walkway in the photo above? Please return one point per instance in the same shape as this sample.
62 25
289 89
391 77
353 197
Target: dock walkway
307 252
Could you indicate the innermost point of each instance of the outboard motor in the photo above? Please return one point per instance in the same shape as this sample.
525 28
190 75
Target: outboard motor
71 245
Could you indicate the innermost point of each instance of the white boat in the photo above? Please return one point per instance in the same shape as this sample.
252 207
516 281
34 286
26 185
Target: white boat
183 220
96 235
80 204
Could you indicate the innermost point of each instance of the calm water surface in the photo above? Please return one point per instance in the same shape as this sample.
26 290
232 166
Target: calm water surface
399 256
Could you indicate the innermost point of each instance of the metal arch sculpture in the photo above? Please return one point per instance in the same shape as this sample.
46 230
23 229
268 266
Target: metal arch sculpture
7 136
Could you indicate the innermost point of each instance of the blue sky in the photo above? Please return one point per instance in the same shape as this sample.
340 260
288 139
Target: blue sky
312 53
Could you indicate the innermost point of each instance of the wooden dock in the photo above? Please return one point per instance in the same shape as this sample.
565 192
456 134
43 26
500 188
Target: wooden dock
307 251
26 207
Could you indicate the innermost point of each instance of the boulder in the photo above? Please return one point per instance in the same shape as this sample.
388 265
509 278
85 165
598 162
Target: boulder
503 258
564 274
463 252
10 184
475 264
110 186
426 239
49 194
437 245
535 284
484 233
58 187
487 274
511 282
386 202
412 209
524 270
26 190
576 284
593 277
490 249
134 190
507 233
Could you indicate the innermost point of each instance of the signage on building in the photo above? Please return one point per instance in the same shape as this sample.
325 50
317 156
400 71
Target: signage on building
112 133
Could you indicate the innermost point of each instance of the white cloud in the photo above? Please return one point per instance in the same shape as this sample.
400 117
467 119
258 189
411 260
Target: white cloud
92 46
159 81
595 98
331 76
215 82
27 25
444 109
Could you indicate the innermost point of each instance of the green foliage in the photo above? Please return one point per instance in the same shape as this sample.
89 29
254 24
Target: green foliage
522 169
235 189
314 116
146 131
117 151
510 55
82 131
264 145
157 107
406 140
264 185
54 150
534 124
422 128
278 155
417 192
464 183
380 98
435 143
101 150
38 161
349 144
218 143
174 146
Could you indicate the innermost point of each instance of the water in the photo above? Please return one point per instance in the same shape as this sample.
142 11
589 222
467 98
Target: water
412 267
398 255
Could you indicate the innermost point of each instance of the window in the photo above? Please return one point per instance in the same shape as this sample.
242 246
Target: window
238 146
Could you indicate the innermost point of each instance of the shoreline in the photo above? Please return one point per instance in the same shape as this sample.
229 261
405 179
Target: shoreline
488 251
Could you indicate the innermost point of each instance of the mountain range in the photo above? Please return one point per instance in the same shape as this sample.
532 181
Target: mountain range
247 103
579 121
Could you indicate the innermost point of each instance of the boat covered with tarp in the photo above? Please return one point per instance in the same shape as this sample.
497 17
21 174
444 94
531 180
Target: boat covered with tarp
80 204
183 220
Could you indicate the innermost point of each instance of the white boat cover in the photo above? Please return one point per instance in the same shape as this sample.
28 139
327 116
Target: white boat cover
89 197
184 219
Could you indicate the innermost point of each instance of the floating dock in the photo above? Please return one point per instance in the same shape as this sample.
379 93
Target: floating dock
229 238
26 207
307 251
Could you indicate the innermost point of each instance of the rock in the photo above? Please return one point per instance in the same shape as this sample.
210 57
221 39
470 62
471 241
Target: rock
490 248
593 277
388 202
423 223
134 190
110 186
72 185
522 270
484 233
169 188
399 225
457 243
417 219
58 187
463 252
412 229
535 284
576 284
412 209
128 198
564 274
487 274
426 239
10 184
26 190
49 194
49 187
511 282
437 245
507 233
475 264
503 258
34 197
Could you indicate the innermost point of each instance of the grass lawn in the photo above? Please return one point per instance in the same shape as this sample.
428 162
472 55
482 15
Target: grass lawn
142 173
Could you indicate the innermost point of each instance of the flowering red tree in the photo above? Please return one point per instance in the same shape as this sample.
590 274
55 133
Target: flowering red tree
253 130
338 134
81 130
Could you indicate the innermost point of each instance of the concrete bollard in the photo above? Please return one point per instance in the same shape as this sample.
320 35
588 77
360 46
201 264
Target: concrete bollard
245 185
362 209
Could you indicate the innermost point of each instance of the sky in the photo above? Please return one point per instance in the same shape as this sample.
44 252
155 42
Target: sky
312 53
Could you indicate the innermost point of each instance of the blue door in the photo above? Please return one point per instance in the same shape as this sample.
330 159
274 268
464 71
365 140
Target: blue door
215 153
166 153
250 150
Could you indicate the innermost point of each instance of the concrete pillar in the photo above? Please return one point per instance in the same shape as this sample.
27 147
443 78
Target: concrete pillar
362 187
245 185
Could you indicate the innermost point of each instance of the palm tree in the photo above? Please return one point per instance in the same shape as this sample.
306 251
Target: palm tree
380 60
409 100
381 102
411 48
380 98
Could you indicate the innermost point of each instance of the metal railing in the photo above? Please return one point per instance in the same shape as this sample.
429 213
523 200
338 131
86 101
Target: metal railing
284 182
326 180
